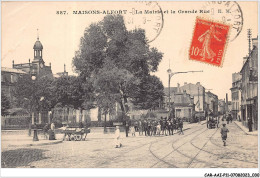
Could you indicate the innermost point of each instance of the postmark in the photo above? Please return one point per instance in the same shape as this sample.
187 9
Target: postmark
209 42
228 12
146 15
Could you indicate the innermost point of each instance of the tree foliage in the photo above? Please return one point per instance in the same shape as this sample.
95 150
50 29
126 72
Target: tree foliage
5 104
119 63
71 91
35 94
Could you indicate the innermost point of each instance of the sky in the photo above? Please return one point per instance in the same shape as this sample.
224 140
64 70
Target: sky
60 36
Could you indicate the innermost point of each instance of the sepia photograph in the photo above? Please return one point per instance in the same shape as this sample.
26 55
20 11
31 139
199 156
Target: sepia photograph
130 84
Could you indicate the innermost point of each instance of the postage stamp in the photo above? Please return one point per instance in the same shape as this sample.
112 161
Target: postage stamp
209 42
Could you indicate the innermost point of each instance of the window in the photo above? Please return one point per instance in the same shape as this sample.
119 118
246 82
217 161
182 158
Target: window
12 78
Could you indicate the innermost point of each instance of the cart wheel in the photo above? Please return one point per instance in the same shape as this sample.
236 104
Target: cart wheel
78 137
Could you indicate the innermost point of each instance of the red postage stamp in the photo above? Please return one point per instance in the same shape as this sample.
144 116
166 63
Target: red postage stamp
209 42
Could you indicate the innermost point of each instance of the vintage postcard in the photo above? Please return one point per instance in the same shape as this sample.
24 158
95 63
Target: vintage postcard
130 84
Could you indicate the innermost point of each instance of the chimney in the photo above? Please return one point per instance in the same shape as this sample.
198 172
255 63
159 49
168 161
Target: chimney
13 63
185 83
50 64
64 67
178 88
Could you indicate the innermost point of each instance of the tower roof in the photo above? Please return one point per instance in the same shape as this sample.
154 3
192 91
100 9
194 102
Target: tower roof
38 45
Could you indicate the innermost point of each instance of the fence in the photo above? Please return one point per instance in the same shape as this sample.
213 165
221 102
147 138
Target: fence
15 122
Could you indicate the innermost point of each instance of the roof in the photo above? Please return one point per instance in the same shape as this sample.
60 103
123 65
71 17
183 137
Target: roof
172 90
12 70
38 45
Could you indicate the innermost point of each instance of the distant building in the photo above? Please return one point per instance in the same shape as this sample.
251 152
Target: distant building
211 103
183 106
249 87
221 106
9 77
197 91
236 96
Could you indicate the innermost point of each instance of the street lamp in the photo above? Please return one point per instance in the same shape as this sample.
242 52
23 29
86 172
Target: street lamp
170 73
35 134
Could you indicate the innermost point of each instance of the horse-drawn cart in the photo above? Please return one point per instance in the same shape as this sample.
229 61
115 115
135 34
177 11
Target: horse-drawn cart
76 134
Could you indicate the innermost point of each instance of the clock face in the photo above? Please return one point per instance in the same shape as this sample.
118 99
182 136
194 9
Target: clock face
41 65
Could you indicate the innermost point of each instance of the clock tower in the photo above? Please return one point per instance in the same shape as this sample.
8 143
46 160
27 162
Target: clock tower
38 67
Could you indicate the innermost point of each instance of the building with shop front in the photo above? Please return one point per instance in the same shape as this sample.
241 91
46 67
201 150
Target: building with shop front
249 87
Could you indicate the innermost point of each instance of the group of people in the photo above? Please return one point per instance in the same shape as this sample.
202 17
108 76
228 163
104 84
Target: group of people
164 126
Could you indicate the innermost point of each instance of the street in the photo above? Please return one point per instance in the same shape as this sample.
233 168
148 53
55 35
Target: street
199 147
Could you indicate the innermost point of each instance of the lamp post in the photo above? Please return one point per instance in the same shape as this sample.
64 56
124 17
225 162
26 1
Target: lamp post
35 134
170 73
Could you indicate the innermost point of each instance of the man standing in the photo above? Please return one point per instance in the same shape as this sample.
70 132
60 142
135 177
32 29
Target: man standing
250 122
224 132
181 127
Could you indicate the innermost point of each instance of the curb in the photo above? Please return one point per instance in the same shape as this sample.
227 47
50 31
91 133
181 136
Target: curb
244 130
40 144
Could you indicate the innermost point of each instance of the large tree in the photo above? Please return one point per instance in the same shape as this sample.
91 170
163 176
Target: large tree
119 63
70 91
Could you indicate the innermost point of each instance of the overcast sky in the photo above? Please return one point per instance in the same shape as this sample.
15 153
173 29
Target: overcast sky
60 36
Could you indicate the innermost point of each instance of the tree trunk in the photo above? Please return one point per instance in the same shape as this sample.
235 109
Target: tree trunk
105 123
123 111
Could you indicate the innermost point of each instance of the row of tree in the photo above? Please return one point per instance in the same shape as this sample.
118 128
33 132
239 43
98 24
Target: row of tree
114 65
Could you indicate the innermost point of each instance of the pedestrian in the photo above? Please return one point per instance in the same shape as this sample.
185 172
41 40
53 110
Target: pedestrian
140 127
169 127
158 128
132 130
231 118
250 123
228 119
51 132
126 128
136 126
64 128
165 126
117 137
149 127
172 126
224 132
145 128
81 125
181 127
45 131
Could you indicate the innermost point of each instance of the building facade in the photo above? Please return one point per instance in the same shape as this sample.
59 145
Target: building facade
9 77
221 106
211 103
249 87
236 96
197 91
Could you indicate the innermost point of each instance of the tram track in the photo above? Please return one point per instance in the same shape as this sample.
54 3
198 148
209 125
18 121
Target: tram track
162 159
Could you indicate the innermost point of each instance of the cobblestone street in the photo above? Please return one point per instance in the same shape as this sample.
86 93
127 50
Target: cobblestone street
199 147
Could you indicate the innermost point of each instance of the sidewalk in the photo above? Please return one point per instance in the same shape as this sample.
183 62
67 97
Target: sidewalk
23 140
12 138
245 129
